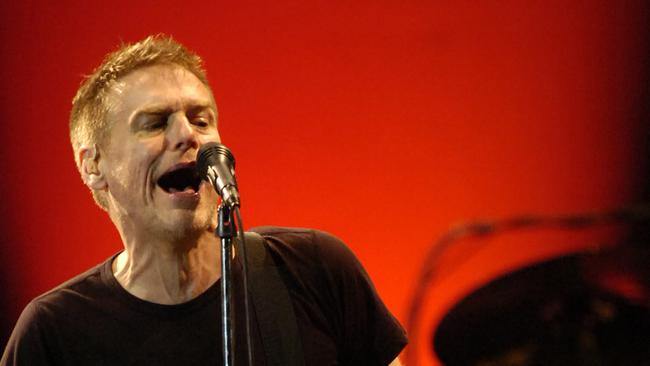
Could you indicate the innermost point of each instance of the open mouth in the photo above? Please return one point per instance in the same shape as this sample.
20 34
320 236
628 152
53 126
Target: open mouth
180 178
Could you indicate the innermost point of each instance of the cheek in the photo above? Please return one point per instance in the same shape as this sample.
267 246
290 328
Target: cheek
133 164
204 139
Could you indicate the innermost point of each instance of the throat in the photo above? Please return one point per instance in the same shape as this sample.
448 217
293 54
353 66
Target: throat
167 279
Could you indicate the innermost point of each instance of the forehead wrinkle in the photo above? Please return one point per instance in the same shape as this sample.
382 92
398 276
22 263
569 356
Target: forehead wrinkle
176 75
140 90
182 93
188 104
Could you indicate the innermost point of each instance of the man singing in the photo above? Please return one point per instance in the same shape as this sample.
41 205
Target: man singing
136 125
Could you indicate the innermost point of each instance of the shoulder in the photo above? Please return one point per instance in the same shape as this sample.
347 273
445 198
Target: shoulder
329 275
308 246
75 289
303 239
66 300
45 317
317 260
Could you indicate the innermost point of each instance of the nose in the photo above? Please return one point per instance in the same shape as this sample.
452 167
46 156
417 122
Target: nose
181 134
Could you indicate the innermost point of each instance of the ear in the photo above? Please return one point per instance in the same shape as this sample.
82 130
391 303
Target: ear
90 170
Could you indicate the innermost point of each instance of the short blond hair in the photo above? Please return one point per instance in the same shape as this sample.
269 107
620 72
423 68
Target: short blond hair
88 122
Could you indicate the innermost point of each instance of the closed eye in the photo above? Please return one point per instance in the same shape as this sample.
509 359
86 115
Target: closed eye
156 125
152 121
200 123
201 116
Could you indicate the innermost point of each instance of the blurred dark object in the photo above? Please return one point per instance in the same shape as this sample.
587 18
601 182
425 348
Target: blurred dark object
544 314
582 309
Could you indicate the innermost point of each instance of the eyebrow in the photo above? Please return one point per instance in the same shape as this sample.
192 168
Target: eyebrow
192 107
162 110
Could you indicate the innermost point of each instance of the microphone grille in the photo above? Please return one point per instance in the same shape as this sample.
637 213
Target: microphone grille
211 154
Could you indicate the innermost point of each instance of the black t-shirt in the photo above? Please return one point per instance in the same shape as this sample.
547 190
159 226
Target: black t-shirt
92 320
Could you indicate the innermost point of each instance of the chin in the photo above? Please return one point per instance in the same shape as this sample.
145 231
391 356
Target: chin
189 227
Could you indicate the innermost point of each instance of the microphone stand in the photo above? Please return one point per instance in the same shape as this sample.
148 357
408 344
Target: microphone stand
226 231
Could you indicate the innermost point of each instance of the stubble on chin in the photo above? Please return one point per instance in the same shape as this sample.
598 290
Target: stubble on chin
188 231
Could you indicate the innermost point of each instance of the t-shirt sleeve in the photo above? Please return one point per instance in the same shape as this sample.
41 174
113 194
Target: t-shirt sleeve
27 345
370 334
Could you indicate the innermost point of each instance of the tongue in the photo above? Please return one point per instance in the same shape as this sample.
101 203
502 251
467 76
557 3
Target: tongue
187 189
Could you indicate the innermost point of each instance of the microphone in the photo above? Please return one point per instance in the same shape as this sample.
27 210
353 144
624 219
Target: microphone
216 164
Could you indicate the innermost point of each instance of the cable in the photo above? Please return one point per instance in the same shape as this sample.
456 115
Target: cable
240 230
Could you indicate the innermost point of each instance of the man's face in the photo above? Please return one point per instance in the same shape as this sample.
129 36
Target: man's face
159 117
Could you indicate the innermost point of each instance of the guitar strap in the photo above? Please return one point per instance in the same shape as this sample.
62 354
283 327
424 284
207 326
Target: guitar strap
272 305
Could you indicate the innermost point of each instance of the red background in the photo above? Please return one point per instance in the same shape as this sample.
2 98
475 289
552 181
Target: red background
382 122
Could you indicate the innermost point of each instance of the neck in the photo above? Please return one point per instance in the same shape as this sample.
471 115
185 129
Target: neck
168 273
